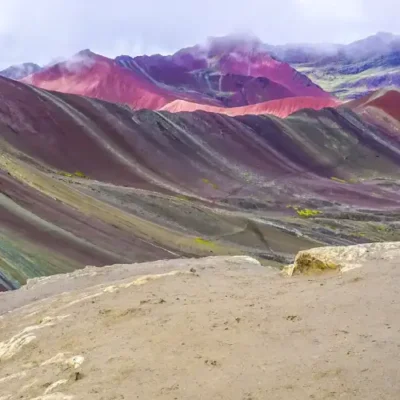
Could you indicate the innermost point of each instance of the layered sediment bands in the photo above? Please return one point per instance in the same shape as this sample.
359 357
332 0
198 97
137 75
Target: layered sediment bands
246 57
280 108
88 182
95 76
386 101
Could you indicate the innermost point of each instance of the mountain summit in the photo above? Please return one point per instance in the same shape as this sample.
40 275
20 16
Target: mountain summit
20 71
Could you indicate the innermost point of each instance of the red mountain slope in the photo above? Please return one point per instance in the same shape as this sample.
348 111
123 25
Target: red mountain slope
386 100
280 108
92 75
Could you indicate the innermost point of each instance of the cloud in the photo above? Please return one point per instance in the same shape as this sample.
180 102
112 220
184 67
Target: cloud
41 30
344 10
78 62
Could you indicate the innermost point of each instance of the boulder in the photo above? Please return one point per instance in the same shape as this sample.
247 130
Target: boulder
342 258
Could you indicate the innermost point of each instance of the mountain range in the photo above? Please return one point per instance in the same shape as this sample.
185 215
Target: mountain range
192 75
350 71
218 149
231 71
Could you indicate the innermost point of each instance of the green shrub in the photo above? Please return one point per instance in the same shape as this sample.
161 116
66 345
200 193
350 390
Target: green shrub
307 213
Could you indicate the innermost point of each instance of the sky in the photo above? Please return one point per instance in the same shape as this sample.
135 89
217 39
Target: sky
43 30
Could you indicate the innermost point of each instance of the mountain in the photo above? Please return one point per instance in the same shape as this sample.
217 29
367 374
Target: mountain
17 72
232 71
86 182
354 70
229 90
125 81
384 105
248 57
380 44
92 75
227 72
346 71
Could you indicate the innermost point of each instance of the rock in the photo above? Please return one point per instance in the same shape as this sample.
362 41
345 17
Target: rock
341 258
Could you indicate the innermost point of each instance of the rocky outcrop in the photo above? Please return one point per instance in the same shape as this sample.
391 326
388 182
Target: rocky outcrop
343 258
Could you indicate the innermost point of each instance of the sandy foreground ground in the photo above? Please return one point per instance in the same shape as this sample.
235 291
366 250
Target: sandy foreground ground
213 328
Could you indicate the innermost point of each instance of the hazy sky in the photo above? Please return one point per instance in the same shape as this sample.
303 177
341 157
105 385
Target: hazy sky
42 30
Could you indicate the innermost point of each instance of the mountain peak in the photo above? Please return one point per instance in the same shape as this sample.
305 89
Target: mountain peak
385 35
86 53
20 71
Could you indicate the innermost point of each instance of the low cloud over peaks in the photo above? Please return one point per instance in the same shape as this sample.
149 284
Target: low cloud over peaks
42 30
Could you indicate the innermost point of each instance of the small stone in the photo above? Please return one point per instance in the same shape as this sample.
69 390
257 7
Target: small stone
78 376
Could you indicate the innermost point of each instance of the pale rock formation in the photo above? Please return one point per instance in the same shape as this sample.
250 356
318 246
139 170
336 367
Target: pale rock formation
342 258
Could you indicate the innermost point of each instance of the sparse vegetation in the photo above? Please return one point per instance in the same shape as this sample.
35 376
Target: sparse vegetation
352 180
331 225
208 182
204 242
305 212
334 178
382 228
358 234
182 197
247 176
80 174
76 174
